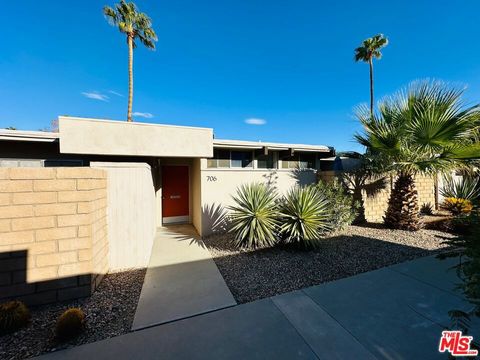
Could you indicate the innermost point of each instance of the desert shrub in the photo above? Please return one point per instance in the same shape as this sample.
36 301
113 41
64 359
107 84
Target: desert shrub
254 217
426 209
467 187
13 316
457 206
70 324
343 209
305 216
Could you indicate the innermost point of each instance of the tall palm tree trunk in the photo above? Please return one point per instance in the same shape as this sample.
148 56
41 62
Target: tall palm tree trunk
370 62
402 212
130 77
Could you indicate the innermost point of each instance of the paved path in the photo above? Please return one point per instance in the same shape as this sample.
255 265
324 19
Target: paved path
392 313
182 279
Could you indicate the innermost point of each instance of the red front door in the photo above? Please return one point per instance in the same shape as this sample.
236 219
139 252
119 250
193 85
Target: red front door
175 195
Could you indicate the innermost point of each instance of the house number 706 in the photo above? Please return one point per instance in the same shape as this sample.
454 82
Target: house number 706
211 178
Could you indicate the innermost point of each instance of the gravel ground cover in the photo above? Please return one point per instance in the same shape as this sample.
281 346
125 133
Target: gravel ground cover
109 312
261 273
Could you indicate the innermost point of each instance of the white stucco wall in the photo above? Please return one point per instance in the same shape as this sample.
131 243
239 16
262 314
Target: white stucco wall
106 137
131 213
218 186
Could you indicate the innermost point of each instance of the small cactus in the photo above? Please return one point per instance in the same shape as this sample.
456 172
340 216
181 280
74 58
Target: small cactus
13 316
70 324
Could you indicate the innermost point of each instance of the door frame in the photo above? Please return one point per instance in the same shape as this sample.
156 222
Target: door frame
187 219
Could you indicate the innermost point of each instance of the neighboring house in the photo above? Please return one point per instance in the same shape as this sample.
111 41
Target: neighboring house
161 174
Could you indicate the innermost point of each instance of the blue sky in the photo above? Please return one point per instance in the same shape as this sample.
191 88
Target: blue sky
219 63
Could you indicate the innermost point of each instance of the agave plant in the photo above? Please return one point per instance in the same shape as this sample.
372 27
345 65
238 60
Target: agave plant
305 216
466 187
254 217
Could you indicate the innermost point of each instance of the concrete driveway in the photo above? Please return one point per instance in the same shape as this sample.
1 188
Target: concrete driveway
396 312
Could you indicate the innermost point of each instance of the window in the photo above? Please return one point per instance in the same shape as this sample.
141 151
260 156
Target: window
299 161
241 159
226 159
266 161
221 159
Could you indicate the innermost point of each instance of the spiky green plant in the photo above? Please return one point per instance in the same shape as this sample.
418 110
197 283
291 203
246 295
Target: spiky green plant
305 216
254 217
466 187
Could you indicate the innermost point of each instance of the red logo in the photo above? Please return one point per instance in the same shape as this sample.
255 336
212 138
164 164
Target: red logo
456 344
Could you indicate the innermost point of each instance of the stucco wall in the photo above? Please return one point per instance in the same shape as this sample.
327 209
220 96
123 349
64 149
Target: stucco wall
218 186
53 235
196 186
131 212
105 137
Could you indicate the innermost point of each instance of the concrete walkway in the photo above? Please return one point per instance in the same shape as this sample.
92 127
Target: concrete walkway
392 313
182 279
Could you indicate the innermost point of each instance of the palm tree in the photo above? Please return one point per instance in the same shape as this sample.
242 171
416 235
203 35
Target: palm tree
423 129
369 50
135 25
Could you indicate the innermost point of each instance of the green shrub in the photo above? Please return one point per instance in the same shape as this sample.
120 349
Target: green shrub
305 216
13 316
254 217
70 324
340 202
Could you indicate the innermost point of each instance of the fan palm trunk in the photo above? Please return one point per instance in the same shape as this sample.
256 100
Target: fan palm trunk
130 78
370 62
402 212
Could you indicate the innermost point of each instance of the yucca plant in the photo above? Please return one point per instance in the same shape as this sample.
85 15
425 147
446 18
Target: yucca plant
305 216
254 217
466 187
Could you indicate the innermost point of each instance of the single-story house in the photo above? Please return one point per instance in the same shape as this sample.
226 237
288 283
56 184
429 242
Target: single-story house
193 174
160 174
88 199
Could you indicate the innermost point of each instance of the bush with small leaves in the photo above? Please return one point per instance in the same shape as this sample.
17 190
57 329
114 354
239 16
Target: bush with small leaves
343 209
70 324
13 316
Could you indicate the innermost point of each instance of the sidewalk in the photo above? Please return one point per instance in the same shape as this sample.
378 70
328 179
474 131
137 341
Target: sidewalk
391 313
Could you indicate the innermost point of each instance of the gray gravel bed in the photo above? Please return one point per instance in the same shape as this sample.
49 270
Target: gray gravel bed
253 275
109 312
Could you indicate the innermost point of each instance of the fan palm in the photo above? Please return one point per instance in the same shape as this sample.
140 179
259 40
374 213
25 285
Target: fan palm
135 25
369 50
422 129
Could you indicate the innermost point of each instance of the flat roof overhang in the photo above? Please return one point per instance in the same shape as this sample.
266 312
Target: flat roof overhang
107 137
30 136
254 145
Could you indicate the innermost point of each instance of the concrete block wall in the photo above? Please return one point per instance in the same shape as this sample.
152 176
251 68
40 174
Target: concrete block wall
53 233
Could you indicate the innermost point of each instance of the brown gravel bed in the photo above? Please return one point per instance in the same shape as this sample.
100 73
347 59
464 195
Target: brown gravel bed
253 275
109 313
